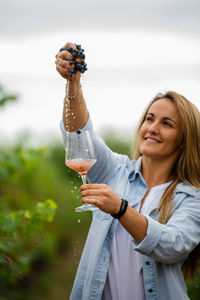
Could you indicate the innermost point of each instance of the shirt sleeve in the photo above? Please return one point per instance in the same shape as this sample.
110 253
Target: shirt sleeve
107 160
173 241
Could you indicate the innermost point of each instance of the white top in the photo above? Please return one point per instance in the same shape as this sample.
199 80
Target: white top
125 278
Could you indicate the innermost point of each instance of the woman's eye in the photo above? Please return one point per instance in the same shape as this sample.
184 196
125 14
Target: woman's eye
148 118
167 124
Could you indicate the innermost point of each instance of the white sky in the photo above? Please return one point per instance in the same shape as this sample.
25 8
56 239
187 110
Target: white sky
126 68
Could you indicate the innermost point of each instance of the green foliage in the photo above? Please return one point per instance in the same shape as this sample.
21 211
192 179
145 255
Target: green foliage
20 217
27 177
194 287
16 235
4 97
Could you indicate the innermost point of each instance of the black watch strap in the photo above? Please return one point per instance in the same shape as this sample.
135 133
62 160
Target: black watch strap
122 210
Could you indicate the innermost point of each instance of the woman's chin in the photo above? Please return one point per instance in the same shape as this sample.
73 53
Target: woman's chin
150 154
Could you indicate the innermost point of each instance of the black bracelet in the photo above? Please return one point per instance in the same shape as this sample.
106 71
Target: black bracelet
122 210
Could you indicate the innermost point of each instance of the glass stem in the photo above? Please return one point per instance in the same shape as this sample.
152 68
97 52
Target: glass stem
84 179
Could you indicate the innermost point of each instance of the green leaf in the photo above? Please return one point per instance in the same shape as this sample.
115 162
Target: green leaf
4 97
46 210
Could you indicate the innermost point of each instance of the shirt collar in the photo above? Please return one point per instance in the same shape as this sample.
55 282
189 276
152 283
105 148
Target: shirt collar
136 169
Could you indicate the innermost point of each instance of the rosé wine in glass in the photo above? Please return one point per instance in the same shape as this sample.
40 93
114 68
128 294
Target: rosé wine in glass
80 156
80 165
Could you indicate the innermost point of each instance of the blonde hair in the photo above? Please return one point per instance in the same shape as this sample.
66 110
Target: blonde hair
186 168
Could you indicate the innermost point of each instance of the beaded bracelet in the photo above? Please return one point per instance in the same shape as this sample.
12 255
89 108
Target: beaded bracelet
74 96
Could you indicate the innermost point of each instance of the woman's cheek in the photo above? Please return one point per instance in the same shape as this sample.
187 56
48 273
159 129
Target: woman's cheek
141 140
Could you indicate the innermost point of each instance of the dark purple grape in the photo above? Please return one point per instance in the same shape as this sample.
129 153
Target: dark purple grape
78 47
72 62
70 49
75 54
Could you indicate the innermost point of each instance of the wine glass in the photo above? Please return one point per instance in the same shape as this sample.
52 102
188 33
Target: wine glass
80 156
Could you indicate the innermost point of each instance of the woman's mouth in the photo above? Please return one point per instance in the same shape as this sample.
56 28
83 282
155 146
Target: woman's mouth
151 140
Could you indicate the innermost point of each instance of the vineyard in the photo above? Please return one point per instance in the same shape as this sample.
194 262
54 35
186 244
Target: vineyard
41 237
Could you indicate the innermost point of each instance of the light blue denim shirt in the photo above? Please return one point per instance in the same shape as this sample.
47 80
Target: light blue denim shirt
164 248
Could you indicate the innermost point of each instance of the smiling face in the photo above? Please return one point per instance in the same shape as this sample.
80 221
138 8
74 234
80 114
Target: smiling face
159 136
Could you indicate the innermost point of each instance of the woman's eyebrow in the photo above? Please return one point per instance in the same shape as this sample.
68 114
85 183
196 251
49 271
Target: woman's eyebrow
167 118
164 118
150 114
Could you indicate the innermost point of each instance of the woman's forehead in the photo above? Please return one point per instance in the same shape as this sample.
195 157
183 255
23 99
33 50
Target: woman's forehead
163 106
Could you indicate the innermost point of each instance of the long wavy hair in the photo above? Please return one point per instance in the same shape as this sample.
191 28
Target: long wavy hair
186 168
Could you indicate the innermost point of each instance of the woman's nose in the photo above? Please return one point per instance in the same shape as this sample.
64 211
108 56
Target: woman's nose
153 127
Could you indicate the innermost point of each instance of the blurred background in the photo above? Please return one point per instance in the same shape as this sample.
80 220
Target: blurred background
134 49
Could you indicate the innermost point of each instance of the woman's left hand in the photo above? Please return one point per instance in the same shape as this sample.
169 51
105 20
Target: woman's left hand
102 196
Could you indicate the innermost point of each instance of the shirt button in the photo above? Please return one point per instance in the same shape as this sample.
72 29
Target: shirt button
150 290
147 263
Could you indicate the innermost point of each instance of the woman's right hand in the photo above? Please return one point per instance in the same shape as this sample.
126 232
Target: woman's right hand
63 65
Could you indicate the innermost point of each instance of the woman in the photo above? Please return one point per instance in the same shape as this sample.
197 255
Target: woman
147 229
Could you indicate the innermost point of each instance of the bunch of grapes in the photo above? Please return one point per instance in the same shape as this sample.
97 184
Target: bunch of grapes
76 53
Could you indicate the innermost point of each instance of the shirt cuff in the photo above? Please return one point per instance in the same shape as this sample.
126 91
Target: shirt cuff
151 240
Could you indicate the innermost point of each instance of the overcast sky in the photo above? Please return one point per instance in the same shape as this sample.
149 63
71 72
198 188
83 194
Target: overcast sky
31 16
134 49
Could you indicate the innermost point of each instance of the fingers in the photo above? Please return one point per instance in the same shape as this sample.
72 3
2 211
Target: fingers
70 61
102 196
65 63
65 54
92 186
91 192
94 190
68 44
94 200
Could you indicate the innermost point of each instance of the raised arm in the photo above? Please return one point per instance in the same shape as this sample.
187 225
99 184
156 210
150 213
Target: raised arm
75 112
75 116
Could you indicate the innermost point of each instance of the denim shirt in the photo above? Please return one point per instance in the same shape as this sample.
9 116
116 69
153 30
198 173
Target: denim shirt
165 246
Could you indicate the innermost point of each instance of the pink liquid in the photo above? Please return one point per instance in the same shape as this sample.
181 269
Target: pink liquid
80 165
